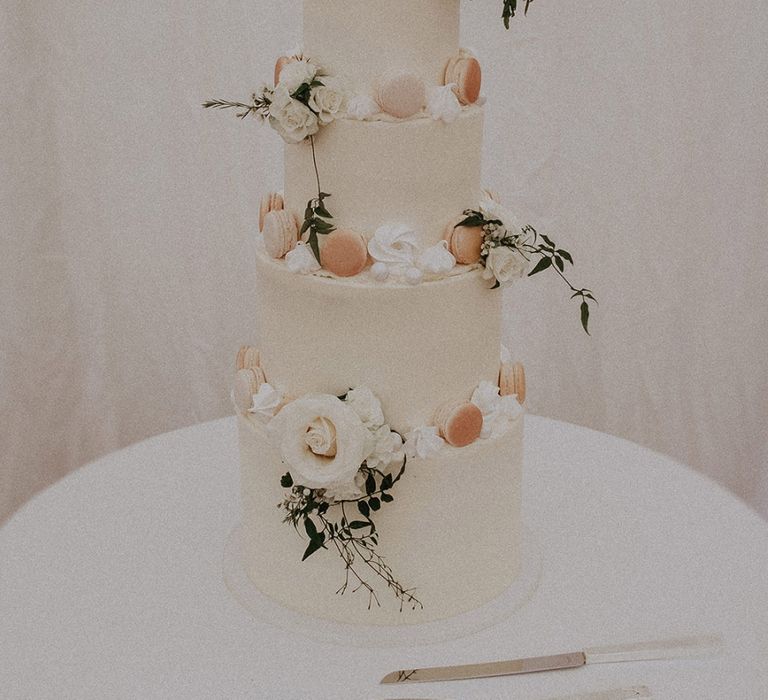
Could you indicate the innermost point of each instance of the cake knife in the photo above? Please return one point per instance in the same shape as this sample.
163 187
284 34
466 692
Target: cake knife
683 648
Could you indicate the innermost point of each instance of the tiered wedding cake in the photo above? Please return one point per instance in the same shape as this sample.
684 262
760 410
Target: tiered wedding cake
381 434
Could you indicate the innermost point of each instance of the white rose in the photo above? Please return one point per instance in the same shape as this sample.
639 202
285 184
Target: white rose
386 447
365 404
294 74
423 443
293 120
328 101
492 210
301 260
321 440
443 104
505 265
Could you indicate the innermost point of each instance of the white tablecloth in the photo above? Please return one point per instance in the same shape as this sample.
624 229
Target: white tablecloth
111 583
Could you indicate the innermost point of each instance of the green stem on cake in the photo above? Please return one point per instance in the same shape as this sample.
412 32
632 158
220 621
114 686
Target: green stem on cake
317 218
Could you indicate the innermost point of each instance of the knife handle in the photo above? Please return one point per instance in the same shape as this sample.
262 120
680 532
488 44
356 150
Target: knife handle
683 648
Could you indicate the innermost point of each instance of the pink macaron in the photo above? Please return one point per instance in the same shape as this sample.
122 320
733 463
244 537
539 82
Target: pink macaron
281 233
247 383
512 381
464 242
465 72
247 358
460 423
344 253
271 201
401 94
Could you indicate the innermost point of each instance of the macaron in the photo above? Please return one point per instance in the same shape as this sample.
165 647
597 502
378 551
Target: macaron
401 94
247 383
464 242
281 233
271 201
512 381
460 423
465 72
344 253
248 357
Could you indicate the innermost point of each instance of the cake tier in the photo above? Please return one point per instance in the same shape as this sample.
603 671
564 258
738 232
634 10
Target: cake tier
420 173
416 348
362 39
452 532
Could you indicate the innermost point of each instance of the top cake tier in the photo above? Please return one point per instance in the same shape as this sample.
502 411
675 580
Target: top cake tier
361 39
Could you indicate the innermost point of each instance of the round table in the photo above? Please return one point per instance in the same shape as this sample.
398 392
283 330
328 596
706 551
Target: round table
111 583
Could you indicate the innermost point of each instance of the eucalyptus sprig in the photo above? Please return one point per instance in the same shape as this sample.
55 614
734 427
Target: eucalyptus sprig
510 8
348 527
258 107
529 244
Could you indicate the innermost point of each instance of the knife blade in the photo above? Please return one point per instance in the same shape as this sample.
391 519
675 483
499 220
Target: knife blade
686 647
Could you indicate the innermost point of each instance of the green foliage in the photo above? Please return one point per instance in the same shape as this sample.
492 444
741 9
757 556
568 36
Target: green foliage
510 8
327 524
258 106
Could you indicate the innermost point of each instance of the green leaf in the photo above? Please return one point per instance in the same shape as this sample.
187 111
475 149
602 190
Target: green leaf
320 210
387 498
286 481
314 245
362 506
374 503
386 482
359 524
560 264
585 316
565 255
311 529
313 546
370 484
544 264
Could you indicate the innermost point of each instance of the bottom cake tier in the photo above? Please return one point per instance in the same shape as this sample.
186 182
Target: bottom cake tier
452 534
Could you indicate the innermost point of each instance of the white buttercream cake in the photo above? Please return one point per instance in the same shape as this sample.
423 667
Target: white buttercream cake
380 428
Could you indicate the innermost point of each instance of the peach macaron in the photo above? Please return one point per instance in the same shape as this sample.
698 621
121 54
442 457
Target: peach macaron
281 63
281 233
247 383
344 253
465 72
460 423
271 201
464 242
401 95
247 358
512 381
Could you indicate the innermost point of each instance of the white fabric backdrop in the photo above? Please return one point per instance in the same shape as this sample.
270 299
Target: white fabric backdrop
634 132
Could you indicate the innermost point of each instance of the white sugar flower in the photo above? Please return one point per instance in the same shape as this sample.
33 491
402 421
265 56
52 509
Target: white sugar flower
442 103
362 107
437 260
266 402
423 443
394 244
486 398
294 74
498 411
350 491
293 120
505 265
328 101
365 404
386 447
301 260
321 440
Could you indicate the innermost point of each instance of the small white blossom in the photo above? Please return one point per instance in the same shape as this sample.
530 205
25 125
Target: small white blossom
442 103
294 74
266 402
365 404
423 443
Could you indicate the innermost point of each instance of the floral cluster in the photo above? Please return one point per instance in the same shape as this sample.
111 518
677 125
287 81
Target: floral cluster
303 100
508 251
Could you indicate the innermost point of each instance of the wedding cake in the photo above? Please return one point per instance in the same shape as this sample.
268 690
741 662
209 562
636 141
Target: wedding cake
380 419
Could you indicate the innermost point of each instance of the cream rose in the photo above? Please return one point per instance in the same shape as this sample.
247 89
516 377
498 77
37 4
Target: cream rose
328 101
293 120
322 441
294 74
505 265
